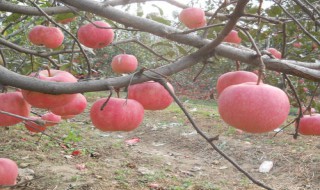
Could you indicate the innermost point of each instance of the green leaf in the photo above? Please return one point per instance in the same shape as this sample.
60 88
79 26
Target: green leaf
12 18
181 50
164 43
60 17
157 18
160 10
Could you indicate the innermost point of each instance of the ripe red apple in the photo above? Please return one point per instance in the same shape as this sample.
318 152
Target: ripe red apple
275 53
124 63
74 107
14 103
235 77
192 17
310 125
253 108
233 37
118 114
152 95
34 127
8 172
94 37
50 37
52 119
48 101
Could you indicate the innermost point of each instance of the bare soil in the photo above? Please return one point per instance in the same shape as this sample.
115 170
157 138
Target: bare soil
169 156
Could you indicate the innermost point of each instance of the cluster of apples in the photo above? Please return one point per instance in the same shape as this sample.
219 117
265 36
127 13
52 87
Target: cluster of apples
251 107
60 106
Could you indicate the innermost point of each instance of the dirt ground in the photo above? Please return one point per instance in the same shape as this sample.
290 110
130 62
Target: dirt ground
169 155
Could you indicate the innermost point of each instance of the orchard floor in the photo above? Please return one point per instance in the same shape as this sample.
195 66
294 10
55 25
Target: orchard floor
169 156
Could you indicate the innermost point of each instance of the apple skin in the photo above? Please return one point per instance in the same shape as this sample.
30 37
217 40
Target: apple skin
118 114
74 107
233 78
53 118
50 37
297 44
275 53
8 172
33 127
91 36
124 63
47 101
253 108
14 103
152 95
193 17
233 37
310 125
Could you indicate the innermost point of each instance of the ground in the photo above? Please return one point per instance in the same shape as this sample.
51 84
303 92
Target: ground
169 156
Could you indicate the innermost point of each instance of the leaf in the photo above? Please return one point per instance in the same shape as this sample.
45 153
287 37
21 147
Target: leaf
60 17
182 50
157 18
12 18
139 10
163 43
160 10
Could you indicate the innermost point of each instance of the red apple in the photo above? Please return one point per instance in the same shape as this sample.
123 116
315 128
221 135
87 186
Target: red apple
297 44
118 114
50 37
124 63
8 172
275 53
233 37
34 127
14 103
48 101
74 107
152 95
253 108
36 35
192 17
235 77
310 125
93 37
52 119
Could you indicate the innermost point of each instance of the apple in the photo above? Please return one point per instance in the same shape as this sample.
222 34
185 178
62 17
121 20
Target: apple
34 127
93 37
233 37
297 44
233 78
74 107
50 37
52 119
193 17
253 108
152 95
8 172
310 125
275 53
14 103
124 63
118 114
48 101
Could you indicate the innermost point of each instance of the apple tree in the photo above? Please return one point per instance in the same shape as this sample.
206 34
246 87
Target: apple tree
52 51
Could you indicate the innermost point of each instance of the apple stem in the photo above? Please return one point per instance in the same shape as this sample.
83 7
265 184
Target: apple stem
106 102
48 69
238 65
